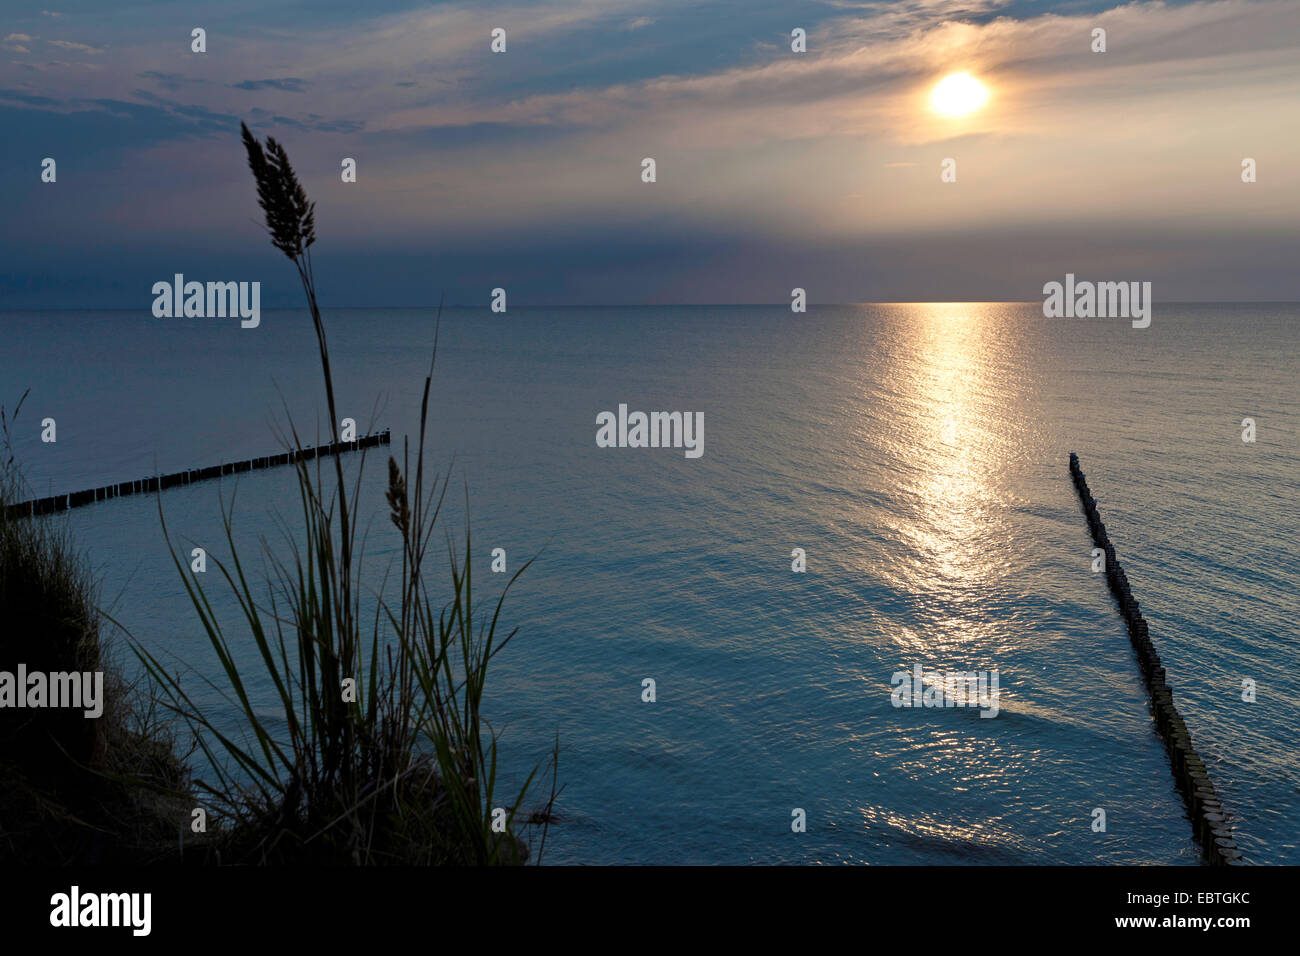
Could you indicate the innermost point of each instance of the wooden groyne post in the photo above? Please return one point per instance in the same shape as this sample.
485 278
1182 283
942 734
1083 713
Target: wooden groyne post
44 506
1208 822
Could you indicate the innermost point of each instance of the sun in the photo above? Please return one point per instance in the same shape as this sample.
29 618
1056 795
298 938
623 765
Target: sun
958 94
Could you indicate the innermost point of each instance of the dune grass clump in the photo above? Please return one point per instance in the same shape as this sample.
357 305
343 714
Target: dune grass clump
376 750
75 789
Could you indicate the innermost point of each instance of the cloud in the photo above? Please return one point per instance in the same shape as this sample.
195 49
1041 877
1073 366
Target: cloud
169 81
316 125
16 42
748 136
288 84
51 13
870 74
81 47
259 118
1145 133
30 99
358 62
638 23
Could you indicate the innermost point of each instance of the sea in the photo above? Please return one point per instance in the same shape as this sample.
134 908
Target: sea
916 454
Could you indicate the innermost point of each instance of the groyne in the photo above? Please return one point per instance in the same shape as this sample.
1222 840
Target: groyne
1208 822
76 499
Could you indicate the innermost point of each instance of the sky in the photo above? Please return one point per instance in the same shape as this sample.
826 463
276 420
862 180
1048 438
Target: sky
774 169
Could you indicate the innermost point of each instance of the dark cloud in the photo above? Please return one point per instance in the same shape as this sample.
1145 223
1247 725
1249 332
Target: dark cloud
257 117
287 84
585 266
168 81
262 120
30 99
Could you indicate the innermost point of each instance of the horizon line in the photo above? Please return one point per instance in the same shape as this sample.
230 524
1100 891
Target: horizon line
674 305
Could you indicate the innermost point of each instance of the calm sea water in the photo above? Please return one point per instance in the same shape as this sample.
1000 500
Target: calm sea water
916 452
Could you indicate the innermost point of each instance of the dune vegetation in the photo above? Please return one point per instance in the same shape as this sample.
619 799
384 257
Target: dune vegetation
373 749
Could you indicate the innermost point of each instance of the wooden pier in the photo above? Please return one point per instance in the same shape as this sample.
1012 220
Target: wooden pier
76 499
1208 822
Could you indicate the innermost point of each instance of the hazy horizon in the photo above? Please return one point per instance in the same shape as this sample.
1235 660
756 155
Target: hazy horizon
358 307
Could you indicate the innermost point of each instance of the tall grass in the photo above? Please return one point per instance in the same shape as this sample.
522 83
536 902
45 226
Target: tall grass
404 769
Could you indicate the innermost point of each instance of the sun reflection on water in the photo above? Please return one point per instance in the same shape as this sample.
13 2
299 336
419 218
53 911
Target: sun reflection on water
948 382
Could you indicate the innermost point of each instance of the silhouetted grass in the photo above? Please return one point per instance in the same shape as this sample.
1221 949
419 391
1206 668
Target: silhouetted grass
404 771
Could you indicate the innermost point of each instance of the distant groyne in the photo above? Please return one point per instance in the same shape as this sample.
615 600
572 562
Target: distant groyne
1208 822
44 506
